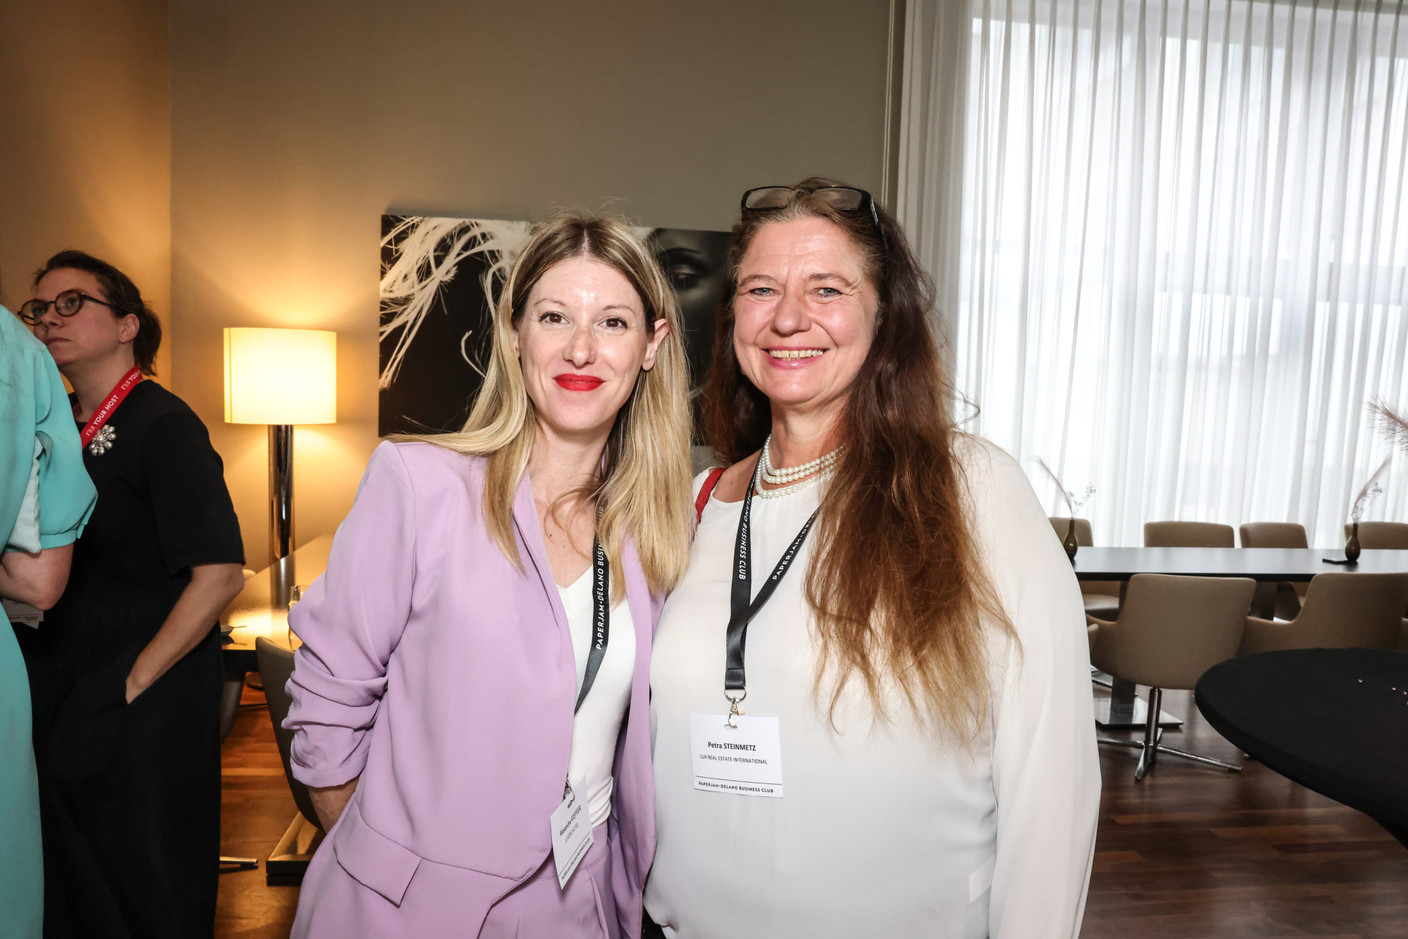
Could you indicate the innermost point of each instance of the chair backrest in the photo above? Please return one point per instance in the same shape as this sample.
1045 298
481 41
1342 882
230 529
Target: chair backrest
1381 534
1188 535
1351 611
1172 629
1107 590
1281 599
1062 524
275 667
1273 535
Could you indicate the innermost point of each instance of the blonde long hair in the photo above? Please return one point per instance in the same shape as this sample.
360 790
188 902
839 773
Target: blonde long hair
642 492
899 593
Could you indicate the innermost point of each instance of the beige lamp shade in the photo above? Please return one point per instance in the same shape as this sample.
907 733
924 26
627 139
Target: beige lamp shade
280 376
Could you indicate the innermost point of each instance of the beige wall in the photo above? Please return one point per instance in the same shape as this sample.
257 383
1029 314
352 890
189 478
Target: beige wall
297 124
85 142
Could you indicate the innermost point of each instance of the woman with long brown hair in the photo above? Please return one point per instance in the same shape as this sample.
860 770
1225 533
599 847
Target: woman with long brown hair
895 738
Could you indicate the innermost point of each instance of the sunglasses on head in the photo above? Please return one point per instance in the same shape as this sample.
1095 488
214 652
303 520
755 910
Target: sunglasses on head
840 198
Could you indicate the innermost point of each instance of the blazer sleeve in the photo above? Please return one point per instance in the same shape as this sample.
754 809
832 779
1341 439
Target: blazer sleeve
1046 771
350 621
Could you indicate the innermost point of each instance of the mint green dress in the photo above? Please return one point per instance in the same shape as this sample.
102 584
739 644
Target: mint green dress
33 408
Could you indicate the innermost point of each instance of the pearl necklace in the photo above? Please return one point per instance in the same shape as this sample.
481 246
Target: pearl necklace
792 478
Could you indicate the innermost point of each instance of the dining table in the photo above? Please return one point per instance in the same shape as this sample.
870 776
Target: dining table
1274 564
1332 720
1123 708
261 608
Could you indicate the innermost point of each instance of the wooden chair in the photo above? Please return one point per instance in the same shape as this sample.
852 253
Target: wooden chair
295 849
1342 611
1188 535
1102 597
1279 600
1171 630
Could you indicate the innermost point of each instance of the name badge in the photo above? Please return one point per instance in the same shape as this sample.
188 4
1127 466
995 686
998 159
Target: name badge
571 835
22 614
744 760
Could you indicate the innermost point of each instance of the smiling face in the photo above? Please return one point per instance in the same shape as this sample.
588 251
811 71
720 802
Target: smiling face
582 341
804 316
93 335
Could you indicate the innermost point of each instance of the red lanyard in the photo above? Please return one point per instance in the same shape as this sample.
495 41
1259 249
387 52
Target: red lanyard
114 398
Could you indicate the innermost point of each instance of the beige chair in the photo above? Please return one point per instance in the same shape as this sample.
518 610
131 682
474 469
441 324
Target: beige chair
1280 600
1342 611
1171 630
1102 597
1381 534
1062 524
295 849
1188 535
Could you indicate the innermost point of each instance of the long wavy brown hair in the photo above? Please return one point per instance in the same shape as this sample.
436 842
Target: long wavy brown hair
900 598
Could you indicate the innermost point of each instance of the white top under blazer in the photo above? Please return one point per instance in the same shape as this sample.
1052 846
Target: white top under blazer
597 724
882 831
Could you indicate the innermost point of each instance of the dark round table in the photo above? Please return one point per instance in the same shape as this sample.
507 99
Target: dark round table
1333 720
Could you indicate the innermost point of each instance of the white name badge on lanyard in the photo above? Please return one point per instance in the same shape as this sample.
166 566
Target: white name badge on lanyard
571 835
745 759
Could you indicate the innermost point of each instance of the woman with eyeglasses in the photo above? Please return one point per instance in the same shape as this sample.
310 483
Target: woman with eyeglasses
470 704
126 671
870 692
40 469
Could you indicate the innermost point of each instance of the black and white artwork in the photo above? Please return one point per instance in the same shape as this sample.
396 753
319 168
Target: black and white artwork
440 278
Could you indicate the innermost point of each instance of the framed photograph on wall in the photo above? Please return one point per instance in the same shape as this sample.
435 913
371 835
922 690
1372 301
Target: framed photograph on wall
440 278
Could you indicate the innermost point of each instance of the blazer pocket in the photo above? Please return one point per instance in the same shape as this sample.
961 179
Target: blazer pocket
371 858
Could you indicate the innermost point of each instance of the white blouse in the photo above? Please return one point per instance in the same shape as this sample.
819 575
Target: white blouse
882 830
597 725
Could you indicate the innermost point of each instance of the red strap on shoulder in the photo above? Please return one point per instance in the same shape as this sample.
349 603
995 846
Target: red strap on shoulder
705 490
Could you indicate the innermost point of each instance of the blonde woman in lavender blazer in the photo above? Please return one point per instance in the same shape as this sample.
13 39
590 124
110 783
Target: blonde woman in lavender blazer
436 701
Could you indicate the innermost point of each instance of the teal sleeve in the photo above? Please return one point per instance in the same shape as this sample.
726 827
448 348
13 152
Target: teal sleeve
66 494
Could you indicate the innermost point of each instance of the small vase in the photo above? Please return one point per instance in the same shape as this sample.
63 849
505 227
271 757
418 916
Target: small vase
1351 547
1070 543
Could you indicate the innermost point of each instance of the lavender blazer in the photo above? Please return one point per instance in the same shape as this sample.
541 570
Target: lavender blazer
444 678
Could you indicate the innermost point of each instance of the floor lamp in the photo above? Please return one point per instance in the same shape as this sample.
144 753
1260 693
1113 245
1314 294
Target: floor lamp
280 377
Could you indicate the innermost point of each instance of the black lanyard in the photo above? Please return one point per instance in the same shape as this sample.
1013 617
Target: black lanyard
601 621
742 611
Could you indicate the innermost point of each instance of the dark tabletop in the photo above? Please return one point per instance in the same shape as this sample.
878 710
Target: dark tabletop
261 609
1294 564
1333 720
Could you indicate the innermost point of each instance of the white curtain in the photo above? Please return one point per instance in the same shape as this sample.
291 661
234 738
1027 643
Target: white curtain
1171 241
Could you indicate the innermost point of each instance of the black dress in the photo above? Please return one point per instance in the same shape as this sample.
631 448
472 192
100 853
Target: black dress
130 793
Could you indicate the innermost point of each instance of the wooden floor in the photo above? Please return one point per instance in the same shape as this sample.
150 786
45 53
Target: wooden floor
1192 851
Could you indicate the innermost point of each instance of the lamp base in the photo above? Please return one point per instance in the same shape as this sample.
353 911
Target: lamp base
280 490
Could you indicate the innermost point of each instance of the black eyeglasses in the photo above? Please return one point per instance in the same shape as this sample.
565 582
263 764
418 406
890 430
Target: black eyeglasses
65 304
840 198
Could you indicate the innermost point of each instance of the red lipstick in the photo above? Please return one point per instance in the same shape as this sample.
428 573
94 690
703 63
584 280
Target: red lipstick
579 382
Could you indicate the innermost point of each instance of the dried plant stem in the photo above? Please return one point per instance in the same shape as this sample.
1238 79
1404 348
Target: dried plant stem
1392 425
